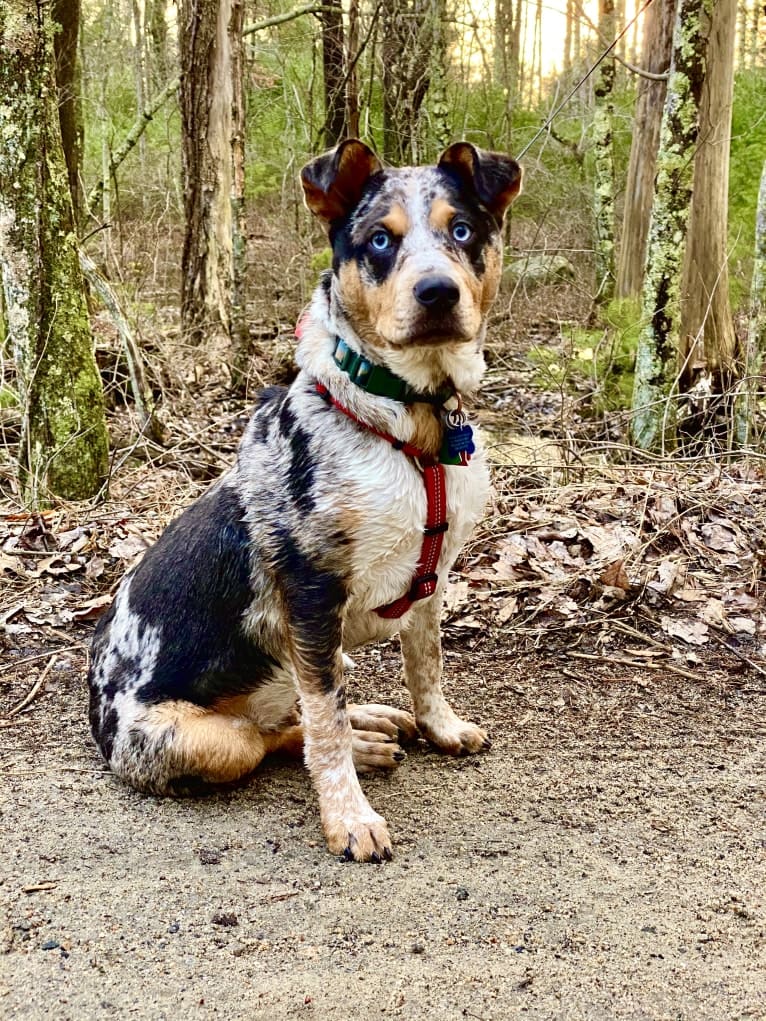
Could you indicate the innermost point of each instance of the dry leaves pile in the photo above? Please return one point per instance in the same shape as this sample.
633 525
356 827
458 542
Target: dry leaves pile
685 553
688 553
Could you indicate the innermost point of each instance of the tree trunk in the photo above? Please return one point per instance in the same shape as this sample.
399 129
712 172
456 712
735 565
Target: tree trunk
653 424
333 46
157 38
639 190
66 15
206 117
437 134
708 343
603 161
64 444
239 330
352 77
407 43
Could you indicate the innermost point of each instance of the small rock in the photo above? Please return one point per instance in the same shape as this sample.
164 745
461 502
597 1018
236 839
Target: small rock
209 856
225 918
50 944
417 948
461 893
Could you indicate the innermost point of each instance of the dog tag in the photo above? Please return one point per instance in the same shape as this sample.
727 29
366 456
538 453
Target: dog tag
457 444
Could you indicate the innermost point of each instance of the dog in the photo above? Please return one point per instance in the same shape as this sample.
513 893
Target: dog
352 494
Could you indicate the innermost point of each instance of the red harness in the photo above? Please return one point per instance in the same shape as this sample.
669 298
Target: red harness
425 579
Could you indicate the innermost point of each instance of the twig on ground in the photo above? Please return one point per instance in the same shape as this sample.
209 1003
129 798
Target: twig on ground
34 690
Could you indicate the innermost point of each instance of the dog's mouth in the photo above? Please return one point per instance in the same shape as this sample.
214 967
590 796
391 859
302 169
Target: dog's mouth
435 334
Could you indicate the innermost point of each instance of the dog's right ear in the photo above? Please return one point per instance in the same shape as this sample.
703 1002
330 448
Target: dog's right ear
333 183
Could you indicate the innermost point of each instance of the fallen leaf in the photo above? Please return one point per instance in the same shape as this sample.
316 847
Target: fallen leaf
741 625
615 577
692 632
93 608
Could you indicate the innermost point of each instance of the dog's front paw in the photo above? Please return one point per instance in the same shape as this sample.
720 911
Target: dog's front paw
394 723
372 750
364 839
453 735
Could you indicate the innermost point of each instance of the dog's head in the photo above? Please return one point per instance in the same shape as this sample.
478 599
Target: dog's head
417 251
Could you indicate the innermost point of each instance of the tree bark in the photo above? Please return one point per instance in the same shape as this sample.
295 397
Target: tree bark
206 118
64 444
407 44
639 190
708 343
333 51
603 160
66 15
654 415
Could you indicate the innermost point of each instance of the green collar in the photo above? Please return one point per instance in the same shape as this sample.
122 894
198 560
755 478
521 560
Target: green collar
381 382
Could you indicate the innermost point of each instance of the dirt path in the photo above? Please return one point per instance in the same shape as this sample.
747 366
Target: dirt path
605 860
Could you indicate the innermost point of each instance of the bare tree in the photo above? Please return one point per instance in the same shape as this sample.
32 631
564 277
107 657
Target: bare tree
707 345
66 16
210 34
639 190
64 445
333 53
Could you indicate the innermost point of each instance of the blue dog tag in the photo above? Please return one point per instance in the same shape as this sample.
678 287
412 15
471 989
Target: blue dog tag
457 444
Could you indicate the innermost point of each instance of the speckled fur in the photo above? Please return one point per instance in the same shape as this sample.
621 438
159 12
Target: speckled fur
249 598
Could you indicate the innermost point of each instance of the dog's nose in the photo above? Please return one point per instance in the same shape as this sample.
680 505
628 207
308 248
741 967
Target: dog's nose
438 294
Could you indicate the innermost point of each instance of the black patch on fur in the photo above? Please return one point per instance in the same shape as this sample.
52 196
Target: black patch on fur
315 597
266 403
194 584
375 265
469 208
287 420
300 476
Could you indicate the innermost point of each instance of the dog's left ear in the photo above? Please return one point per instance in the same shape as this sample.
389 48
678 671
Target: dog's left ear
495 178
333 183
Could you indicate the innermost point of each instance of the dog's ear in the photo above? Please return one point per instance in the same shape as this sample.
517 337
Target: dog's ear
495 178
333 183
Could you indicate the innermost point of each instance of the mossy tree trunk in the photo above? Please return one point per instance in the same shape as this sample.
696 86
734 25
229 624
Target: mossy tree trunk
603 161
208 130
639 190
64 445
654 415
707 343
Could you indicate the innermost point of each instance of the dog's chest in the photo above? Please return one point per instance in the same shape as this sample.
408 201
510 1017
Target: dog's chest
384 498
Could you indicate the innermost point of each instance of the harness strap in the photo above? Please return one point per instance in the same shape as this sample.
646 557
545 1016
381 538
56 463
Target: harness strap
426 579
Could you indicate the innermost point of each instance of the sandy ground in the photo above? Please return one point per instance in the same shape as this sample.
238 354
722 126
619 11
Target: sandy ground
606 859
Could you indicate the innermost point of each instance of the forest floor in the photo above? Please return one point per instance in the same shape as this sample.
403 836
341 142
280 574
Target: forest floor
604 860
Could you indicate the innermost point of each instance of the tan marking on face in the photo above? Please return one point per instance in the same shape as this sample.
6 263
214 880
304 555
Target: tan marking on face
396 221
441 215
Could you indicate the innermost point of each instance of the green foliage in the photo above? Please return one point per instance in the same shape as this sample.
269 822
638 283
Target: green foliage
597 363
748 152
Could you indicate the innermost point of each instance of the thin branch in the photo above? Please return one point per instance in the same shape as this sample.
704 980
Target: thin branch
144 118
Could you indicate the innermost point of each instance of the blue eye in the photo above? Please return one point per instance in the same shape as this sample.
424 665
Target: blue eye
461 232
380 241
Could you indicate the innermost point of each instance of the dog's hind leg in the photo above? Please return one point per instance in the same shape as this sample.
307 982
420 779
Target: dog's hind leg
422 654
175 745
